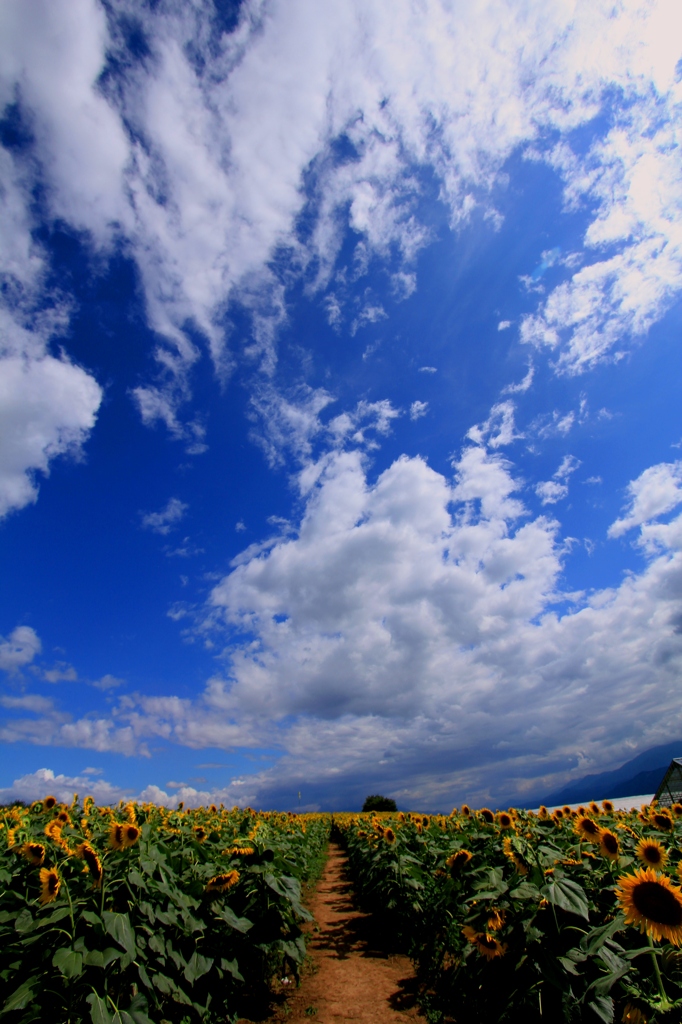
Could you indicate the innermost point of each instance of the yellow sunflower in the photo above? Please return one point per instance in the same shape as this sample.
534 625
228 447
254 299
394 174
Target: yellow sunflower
487 945
487 815
34 853
92 861
116 837
131 834
496 920
587 829
633 1015
609 845
505 820
607 806
662 820
652 854
651 901
516 859
457 861
49 802
49 885
221 883
389 836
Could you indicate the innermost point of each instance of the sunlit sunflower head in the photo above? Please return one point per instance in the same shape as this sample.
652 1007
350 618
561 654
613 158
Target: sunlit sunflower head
505 820
568 813
587 828
595 808
34 853
676 810
131 834
116 836
213 809
486 945
607 806
543 813
652 854
582 811
496 920
49 885
92 861
63 818
558 815
651 901
662 820
389 836
609 845
466 811
49 802
487 815
456 861
200 834
221 883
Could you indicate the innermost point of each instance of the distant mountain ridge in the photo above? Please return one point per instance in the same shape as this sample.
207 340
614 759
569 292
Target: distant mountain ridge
643 774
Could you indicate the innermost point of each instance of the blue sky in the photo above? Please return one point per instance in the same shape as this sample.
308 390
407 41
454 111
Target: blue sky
340 398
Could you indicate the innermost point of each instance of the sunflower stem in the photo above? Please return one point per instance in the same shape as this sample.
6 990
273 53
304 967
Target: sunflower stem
665 1004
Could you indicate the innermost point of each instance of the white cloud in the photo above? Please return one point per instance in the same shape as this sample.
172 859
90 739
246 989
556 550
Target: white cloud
499 429
107 682
523 385
504 325
199 164
62 672
167 519
19 649
47 408
411 622
44 782
655 491
418 409
427 369
551 491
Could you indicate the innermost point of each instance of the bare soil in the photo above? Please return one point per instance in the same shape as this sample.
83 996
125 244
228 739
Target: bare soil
352 973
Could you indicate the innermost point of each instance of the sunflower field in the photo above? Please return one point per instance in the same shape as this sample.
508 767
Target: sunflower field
140 914
519 917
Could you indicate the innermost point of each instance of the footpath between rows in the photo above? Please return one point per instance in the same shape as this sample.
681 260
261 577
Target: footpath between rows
351 973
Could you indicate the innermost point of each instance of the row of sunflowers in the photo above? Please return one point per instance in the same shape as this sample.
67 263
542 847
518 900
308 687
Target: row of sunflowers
138 914
530 917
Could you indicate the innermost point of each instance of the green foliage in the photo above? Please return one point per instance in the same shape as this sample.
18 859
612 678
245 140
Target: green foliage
156 939
529 928
379 803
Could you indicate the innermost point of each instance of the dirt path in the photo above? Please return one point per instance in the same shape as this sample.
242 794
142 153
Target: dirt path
353 977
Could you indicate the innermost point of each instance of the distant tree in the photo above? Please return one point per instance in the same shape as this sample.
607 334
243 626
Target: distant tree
379 803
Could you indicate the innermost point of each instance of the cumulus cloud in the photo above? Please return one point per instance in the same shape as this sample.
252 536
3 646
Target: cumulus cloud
164 521
204 165
655 491
48 407
19 649
44 782
410 622
418 409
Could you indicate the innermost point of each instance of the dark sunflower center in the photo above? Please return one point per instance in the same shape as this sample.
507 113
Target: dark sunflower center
590 827
652 854
487 942
657 903
610 843
52 883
